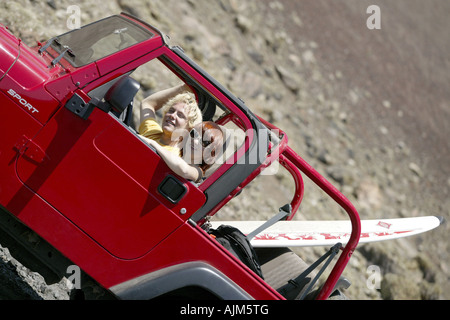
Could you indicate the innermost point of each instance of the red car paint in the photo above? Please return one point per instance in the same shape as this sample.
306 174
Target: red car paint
89 187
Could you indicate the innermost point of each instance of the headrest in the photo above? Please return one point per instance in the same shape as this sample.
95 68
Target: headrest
122 93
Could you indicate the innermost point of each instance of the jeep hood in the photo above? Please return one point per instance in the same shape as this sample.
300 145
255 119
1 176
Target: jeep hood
9 49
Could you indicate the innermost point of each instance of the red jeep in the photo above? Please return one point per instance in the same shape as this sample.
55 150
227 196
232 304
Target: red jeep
78 186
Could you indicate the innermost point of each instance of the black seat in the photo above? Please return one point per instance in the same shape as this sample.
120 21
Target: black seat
120 97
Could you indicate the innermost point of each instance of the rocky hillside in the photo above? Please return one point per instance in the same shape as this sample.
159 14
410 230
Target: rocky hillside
369 109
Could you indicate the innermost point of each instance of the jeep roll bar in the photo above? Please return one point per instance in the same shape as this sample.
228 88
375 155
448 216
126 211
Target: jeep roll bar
296 165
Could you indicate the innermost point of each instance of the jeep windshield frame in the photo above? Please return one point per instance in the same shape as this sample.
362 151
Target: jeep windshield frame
100 39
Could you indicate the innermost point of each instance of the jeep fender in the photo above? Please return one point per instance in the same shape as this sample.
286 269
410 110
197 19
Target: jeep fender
197 274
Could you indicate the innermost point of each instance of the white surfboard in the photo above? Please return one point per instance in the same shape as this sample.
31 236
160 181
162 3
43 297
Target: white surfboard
324 233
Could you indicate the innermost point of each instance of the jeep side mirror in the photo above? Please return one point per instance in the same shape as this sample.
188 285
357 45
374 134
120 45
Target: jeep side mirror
118 98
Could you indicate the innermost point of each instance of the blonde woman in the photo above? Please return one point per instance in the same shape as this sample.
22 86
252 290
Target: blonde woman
180 113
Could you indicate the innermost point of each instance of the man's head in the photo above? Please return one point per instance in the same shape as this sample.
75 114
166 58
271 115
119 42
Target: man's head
204 144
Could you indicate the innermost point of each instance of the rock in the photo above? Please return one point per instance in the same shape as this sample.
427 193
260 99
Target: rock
415 169
325 157
256 56
369 194
243 23
342 175
288 78
399 287
430 291
308 57
427 267
387 104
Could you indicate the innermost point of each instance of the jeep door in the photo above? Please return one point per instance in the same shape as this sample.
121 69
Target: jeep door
105 180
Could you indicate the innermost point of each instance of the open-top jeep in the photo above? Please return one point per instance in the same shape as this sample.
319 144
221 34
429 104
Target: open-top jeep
79 186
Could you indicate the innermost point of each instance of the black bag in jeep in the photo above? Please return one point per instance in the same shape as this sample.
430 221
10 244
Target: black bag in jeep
237 243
